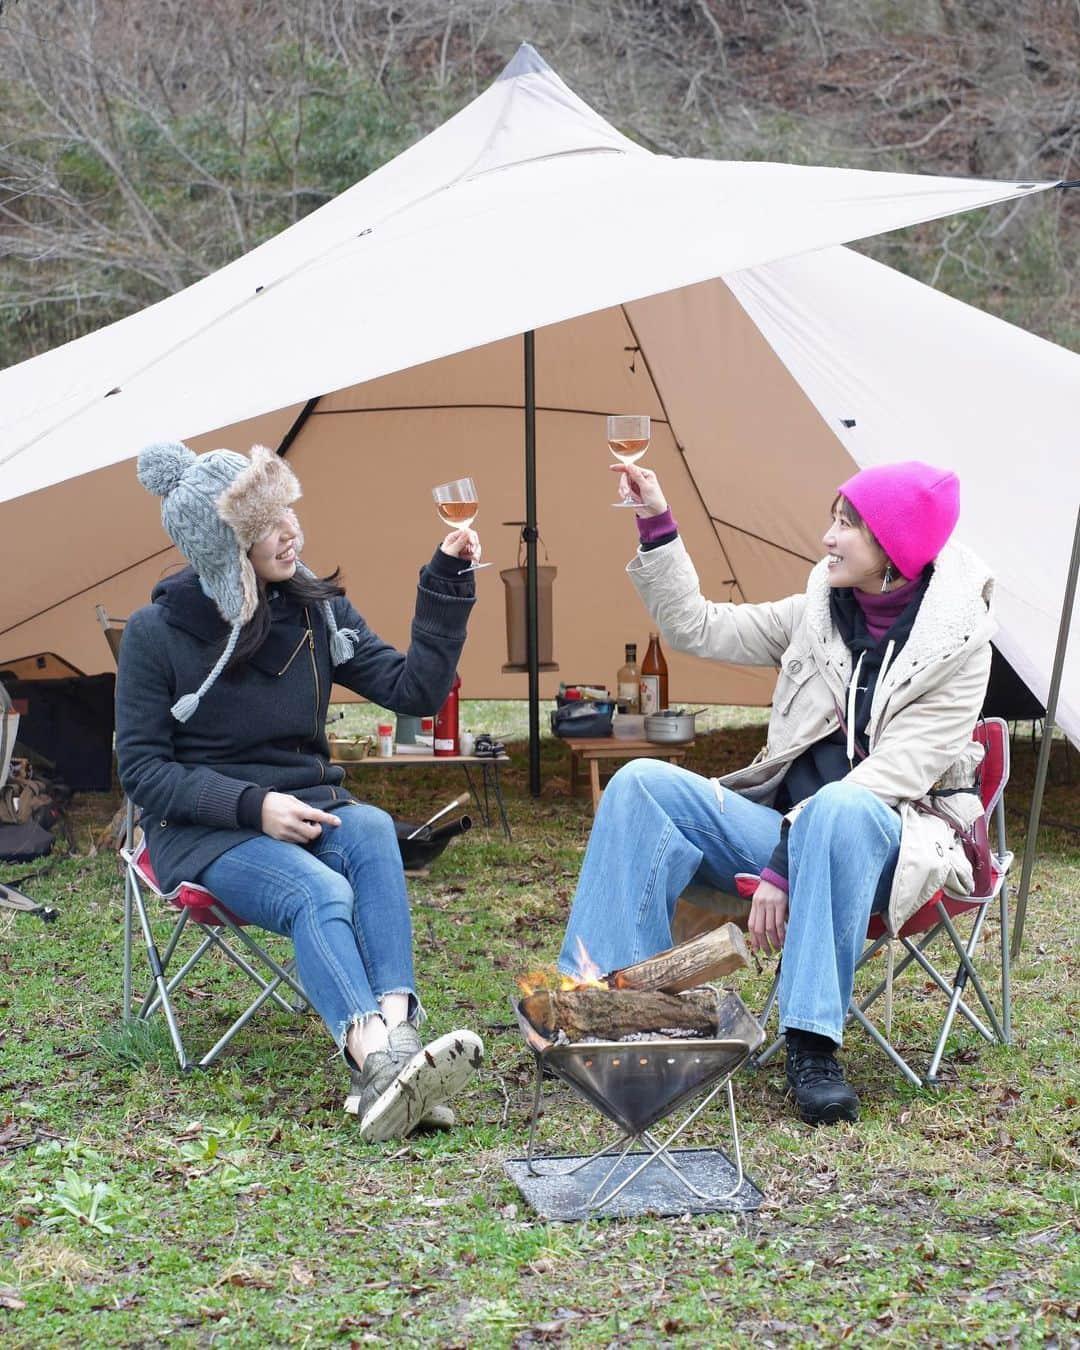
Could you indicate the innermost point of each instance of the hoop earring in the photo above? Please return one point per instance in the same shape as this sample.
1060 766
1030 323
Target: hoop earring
889 577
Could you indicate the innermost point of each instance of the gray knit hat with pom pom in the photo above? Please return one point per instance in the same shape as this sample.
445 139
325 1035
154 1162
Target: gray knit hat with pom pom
214 508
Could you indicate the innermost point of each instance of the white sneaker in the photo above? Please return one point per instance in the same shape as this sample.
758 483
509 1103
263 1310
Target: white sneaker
428 1080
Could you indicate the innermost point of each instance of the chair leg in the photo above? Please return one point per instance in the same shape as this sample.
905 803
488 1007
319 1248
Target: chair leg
880 1041
770 1050
968 971
158 972
128 919
282 974
129 883
948 989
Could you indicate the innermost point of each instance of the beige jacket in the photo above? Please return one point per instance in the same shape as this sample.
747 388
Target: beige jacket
925 704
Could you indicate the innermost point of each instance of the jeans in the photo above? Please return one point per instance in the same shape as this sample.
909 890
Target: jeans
660 827
342 901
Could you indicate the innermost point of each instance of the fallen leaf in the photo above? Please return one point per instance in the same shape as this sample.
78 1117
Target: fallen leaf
300 1274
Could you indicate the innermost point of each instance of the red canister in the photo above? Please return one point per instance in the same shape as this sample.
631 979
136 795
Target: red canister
446 723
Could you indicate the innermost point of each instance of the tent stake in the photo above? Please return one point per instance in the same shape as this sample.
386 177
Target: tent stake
530 535
1047 741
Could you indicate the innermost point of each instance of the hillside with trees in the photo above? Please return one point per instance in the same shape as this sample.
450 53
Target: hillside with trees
144 143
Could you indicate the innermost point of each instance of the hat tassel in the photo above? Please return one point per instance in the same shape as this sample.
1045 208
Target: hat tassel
342 640
185 707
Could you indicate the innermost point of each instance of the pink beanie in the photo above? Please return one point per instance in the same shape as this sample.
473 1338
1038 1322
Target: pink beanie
911 508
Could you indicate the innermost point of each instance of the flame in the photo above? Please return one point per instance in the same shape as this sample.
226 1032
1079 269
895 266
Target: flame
589 976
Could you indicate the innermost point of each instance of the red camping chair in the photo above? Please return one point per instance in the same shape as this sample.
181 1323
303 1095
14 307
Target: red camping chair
935 918
218 930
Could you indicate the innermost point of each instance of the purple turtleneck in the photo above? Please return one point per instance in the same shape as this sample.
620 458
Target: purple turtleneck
882 611
653 530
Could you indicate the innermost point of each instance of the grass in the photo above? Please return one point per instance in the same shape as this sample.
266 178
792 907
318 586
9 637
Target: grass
238 1208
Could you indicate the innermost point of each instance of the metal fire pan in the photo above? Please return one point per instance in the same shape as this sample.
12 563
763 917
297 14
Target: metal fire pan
637 1083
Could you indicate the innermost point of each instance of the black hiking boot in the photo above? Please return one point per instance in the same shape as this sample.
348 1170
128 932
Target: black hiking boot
817 1083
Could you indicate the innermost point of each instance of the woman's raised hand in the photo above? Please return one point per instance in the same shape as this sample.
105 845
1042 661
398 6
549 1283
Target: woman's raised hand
462 544
287 818
644 488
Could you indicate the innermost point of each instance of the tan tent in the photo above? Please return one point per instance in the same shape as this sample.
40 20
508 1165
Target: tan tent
377 343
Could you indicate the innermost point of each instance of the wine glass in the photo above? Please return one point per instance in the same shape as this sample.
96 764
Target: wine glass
457 504
628 438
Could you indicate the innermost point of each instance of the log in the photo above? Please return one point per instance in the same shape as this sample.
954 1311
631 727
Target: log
707 957
609 1014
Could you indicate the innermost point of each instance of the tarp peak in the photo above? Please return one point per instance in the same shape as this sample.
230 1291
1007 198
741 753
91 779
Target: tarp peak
525 61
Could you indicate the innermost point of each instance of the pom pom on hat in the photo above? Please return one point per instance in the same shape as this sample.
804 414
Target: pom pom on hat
911 508
160 467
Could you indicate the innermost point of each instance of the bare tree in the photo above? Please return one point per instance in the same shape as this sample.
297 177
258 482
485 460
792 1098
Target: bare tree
145 142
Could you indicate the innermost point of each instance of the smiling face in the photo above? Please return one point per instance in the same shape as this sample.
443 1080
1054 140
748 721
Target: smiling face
856 559
273 558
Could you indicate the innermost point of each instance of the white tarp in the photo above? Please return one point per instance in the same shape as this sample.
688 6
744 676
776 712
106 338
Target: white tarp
524 209
925 377
528 211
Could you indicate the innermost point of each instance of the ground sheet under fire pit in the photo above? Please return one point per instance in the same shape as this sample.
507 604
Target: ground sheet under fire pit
558 1192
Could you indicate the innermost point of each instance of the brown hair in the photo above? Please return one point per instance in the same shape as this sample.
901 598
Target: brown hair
851 514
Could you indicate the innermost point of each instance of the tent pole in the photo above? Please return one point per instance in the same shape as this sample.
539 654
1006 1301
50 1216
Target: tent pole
1047 741
530 535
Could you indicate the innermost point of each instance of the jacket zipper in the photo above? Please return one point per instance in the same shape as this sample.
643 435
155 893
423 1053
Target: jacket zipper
315 676
296 651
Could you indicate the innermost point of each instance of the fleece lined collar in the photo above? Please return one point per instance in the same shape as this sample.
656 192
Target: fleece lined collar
954 609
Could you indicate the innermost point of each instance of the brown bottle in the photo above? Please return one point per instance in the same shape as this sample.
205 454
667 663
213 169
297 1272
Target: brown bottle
654 692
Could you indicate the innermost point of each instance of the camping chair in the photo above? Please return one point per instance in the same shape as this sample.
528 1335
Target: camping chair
934 919
112 628
196 909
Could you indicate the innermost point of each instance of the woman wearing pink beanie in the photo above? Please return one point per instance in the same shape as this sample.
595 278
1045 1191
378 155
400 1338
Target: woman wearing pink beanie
883 663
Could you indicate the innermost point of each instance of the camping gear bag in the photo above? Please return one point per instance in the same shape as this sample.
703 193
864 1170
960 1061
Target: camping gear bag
24 843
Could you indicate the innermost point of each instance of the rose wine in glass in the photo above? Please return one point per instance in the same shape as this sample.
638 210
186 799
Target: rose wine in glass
628 438
457 504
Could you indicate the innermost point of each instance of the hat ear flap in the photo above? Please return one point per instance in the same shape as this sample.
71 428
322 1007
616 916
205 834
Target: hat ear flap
249 586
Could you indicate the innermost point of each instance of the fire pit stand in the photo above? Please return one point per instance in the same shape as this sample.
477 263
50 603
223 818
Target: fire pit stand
637 1084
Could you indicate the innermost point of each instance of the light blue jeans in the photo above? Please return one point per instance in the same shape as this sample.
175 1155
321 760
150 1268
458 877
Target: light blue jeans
660 827
341 899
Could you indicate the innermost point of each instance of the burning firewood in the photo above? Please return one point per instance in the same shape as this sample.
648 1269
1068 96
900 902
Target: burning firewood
660 994
589 1012
707 957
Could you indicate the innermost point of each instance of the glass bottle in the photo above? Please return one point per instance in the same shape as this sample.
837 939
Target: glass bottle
654 681
628 681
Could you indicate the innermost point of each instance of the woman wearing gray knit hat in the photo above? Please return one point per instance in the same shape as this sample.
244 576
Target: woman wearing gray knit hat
221 703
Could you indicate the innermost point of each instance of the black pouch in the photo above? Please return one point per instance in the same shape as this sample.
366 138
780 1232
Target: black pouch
579 718
24 843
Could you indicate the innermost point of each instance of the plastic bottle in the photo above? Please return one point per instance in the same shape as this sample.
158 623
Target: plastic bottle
386 740
446 723
628 682
654 681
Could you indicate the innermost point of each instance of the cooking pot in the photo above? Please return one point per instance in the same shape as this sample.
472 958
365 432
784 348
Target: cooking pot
670 727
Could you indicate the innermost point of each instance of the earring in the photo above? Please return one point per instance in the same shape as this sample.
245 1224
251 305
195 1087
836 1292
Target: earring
888 578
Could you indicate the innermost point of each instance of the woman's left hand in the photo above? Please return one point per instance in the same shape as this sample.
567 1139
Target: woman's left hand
768 918
463 544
